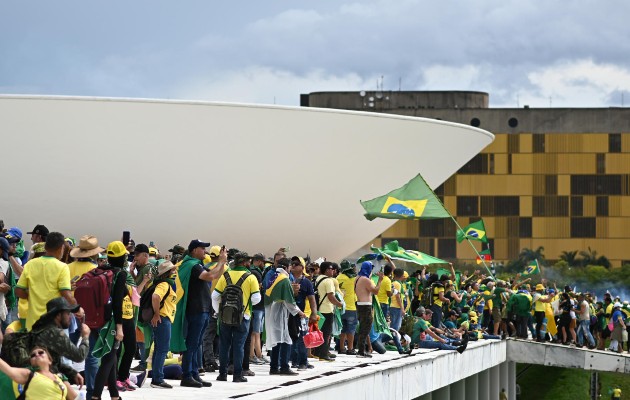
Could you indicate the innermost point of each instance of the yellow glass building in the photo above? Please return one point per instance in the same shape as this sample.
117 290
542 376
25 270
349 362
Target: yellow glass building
556 178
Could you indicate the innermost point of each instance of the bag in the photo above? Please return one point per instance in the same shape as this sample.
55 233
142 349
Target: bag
22 395
16 348
105 342
427 295
611 326
317 298
94 294
145 312
406 328
231 308
314 338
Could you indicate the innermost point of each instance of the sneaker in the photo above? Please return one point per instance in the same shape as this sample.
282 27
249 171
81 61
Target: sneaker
190 382
239 379
120 386
310 366
326 358
140 378
302 368
331 355
138 368
202 371
248 372
274 372
352 352
364 355
161 385
256 360
203 383
222 378
129 385
287 371
264 359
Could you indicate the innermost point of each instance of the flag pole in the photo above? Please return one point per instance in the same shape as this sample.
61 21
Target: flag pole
459 227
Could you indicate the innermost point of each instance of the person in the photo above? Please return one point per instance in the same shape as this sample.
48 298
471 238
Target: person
519 304
584 318
539 301
349 320
45 278
232 338
39 234
325 288
616 393
365 289
258 314
210 339
193 310
4 272
439 300
425 336
305 300
385 292
619 325
42 382
396 309
164 301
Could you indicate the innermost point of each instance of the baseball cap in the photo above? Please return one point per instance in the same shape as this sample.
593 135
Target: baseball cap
16 232
215 251
197 243
177 249
141 248
116 249
153 251
39 230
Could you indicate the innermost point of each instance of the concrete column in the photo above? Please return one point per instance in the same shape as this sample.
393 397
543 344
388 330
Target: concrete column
511 380
495 382
472 387
484 384
458 390
503 376
442 393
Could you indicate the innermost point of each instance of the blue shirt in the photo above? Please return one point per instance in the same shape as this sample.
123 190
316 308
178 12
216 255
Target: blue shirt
306 289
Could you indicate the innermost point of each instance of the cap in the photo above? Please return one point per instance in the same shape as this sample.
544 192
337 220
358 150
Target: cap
39 230
4 245
177 249
240 257
197 243
116 249
540 287
215 251
259 256
15 231
153 251
141 248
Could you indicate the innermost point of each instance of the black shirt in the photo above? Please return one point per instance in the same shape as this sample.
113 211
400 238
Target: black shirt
199 299
258 274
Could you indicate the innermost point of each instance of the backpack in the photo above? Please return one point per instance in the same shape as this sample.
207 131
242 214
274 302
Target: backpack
93 293
427 295
145 313
406 328
16 348
317 298
231 308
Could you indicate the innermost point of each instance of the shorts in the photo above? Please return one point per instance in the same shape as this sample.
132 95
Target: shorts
258 317
496 314
349 322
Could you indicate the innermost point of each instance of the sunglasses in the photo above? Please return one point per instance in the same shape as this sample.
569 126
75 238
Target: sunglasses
38 353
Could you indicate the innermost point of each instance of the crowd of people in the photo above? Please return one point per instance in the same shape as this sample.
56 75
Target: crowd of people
78 313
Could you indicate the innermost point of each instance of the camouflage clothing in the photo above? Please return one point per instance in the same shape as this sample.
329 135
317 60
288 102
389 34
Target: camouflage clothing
141 271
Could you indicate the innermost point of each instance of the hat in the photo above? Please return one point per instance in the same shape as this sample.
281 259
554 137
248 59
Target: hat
39 248
39 230
88 247
197 243
4 245
240 257
153 251
16 232
165 266
215 251
57 305
177 249
10 238
259 256
299 260
116 249
141 248
617 304
540 287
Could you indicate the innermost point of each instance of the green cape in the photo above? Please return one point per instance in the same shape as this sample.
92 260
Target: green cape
178 337
280 290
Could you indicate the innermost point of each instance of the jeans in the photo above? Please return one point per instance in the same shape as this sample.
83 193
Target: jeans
162 341
91 365
585 327
540 316
196 324
232 338
396 317
210 343
430 344
385 308
379 344
280 355
299 354
436 318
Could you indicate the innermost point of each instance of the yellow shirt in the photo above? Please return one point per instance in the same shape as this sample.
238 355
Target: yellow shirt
78 268
436 295
386 286
42 387
395 303
170 304
323 287
15 326
346 284
616 392
249 287
539 305
44 278
127 305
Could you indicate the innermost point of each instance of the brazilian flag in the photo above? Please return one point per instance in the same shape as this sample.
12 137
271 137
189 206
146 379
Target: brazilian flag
532 268
415 200
395 252
474 231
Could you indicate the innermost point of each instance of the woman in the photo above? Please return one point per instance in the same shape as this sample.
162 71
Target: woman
616 337
41 383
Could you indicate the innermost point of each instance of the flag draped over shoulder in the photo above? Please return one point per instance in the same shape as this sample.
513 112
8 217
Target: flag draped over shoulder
178 336
532 268
474 231
395 252
415 200
484 256
279 290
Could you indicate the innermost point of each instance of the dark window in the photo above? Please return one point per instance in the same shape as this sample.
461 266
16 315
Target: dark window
577 206
491 164
513 122
551 184
304 100
514 144
614 143
426 246
477 165
509 163
439 190
596 184
437 228
467 206
583 228
405 243
500 205
447 248
550 206
602 206
475 122
525 227
601 163
538 142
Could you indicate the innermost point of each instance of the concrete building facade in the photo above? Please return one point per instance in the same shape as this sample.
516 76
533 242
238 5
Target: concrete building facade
554 177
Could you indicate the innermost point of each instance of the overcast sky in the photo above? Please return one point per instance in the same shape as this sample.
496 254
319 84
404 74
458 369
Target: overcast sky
567 54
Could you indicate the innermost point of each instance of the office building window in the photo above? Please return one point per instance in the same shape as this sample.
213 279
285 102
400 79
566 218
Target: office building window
601 206
596 184
447 248
538 142
614 142
583 227
550 206
601 163
467 206
577 206
525 227
514 144
551 184
477 165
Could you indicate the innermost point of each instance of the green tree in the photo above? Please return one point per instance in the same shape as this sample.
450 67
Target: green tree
571 258
590 257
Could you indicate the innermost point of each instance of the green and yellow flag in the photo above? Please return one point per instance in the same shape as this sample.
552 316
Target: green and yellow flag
395 252
474 231
415 200
533 268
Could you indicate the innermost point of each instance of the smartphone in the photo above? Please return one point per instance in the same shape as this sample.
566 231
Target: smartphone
151 244
126 237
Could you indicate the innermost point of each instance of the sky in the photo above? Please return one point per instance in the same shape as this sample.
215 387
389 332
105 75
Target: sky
536 53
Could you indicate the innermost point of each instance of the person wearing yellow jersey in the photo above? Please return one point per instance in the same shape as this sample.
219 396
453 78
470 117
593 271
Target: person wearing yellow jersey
349 320
210 349
385 292
164 301
396 309
305 300
616 393
539 309
438 300
85 255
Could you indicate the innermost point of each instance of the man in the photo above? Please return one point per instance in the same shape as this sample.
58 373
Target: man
438 300
210 343
397 306
38 235
177 253
365 290
193 310
85 258
385 293
258 313
520 305
45 278
349 321
325 288
139 268
539 309
427 337
4 270
584 317
232 338
305 300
